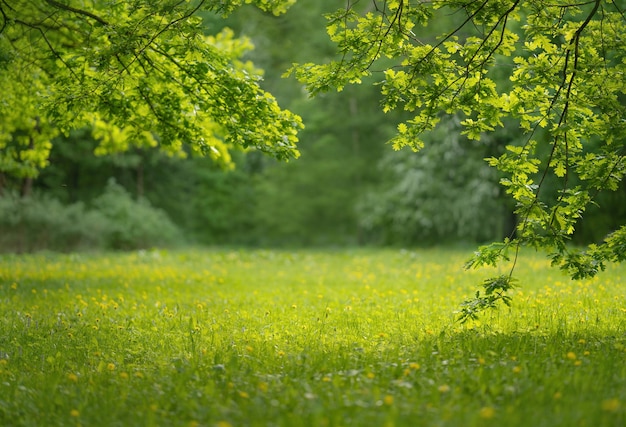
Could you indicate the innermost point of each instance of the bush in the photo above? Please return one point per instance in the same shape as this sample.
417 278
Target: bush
115 221
34 223
445 193
133 224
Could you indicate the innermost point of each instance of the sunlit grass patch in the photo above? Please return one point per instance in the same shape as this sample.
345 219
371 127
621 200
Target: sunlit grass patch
303 338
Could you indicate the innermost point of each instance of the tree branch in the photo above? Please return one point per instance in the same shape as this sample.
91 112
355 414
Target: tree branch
65 7
5 18
165 28
52 49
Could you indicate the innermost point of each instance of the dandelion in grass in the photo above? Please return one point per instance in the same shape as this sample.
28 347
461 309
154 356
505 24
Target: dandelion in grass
487 412
571 355
72 377
444 388
611 405
111 366
517 369
74 413
388 400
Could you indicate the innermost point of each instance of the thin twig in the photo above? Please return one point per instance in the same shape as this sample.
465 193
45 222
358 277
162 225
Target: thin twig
93 16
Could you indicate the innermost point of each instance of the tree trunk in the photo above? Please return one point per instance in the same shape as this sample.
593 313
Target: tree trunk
27 187
140 180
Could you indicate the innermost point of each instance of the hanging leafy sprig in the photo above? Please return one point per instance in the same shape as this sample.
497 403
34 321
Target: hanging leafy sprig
554 70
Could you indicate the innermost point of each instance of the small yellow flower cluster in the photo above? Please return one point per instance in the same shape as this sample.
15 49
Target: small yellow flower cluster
487 412
444 388
611 405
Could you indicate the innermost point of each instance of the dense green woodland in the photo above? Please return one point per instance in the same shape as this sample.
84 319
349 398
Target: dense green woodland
347 187
342 190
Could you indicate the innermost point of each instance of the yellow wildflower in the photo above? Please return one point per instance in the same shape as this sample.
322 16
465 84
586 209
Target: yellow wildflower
444 388
611 405
487 412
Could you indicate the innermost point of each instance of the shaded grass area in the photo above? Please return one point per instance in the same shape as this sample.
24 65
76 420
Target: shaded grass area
259 338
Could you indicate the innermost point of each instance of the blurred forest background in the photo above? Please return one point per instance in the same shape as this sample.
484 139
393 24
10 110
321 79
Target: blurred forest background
347 188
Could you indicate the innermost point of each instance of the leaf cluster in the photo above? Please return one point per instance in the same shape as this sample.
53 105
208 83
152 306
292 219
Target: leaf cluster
140 73
495 290
552 70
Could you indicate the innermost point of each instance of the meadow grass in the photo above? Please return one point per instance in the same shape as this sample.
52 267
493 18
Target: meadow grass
319 338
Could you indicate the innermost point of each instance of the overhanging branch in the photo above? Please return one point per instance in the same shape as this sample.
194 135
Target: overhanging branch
86 13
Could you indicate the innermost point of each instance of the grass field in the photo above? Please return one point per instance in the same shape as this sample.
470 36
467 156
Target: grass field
320 338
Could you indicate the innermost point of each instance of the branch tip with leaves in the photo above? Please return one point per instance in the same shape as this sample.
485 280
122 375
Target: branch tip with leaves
495 290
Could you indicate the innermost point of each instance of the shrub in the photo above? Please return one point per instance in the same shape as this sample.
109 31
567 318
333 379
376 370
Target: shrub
34 223
115 221
133 224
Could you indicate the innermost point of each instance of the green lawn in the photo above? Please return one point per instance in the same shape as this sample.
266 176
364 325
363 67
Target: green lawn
320 338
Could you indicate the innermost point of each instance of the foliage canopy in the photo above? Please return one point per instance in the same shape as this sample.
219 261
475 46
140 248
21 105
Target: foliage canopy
140 73
552 69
